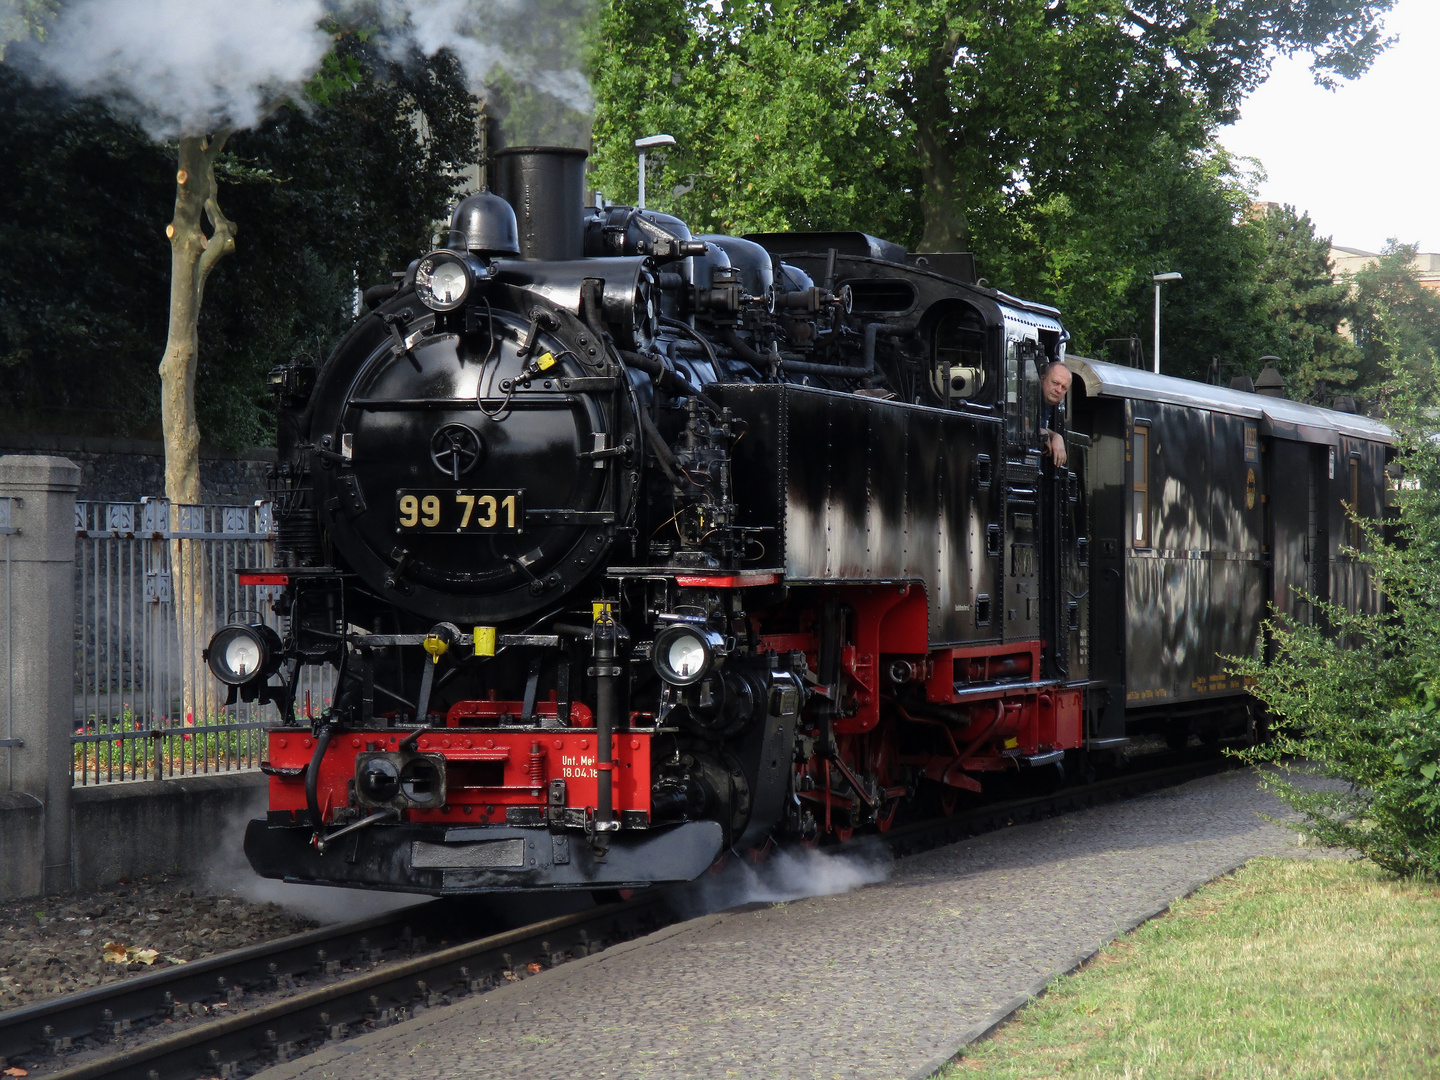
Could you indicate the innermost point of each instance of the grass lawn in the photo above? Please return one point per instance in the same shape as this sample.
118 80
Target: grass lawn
1286 968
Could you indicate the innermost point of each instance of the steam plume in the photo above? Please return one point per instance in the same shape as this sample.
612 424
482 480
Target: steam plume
184 67
180 67
789 874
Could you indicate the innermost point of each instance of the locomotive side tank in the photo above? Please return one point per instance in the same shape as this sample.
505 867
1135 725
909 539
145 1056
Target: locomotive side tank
628 548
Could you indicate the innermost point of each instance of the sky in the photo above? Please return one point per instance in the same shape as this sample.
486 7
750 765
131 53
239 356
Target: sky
1364 160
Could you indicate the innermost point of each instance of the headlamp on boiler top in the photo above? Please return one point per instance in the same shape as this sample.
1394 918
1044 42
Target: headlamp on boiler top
443 280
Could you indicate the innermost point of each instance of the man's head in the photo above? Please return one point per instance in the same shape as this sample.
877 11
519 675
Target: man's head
1055 382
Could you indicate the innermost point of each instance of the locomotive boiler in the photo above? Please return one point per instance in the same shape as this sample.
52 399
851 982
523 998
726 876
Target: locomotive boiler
629 548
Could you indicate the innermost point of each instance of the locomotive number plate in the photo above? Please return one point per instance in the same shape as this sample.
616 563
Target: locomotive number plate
463 512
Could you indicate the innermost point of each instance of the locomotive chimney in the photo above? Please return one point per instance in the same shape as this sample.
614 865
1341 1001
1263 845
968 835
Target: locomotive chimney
546 186
1270 383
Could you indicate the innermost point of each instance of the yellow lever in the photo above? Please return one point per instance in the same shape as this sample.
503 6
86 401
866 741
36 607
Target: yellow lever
436 646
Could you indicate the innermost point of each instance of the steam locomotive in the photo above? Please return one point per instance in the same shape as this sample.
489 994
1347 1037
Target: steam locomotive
629 548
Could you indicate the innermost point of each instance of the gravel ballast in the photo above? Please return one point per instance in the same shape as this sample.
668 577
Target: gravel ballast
58 944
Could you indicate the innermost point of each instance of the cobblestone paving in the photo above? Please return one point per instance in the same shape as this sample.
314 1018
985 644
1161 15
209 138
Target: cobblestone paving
885 982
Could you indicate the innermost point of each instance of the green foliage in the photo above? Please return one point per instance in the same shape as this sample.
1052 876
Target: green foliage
339 73
1359 695
1092 253
1305 307
330 194
982 102
775 129
21 20
1397 329
84 264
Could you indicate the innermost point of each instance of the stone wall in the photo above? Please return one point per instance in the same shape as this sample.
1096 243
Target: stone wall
127 470
22 844
152 827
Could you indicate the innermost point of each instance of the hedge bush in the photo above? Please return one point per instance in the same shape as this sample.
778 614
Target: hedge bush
1356 698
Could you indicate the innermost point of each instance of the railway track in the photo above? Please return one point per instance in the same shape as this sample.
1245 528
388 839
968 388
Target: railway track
909 839
236 1013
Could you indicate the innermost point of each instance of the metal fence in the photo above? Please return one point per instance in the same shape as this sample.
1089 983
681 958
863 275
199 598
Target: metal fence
153 583
7 682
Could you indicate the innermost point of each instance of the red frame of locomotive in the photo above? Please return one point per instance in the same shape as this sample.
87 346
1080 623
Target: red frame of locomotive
513 768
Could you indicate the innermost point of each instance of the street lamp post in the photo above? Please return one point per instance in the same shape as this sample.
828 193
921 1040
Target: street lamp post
1160 279
648 143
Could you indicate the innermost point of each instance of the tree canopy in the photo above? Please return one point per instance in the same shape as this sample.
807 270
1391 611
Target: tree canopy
974 104
1396 325
1303 307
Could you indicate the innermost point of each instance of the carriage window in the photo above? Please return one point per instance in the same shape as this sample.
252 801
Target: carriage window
1140 463
1355 534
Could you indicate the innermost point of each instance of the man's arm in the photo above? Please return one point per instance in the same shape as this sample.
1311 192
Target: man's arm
1054 446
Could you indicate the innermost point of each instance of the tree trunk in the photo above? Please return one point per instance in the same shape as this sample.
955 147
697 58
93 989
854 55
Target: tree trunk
928 106
940 203
193 256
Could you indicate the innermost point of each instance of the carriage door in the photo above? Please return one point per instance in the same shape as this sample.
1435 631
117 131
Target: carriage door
1296 534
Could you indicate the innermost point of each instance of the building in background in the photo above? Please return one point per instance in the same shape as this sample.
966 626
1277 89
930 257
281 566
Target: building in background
1347 260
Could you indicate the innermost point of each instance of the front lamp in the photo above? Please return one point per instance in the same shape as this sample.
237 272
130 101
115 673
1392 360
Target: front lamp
243 653
683 655
442 280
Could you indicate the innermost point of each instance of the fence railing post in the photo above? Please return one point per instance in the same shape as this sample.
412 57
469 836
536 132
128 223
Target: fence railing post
42 660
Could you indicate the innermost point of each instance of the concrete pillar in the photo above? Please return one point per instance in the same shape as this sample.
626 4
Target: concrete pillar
42 628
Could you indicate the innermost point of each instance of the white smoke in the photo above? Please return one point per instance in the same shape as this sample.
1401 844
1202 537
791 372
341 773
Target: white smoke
789 874
185 67
471 31
182 67
225 870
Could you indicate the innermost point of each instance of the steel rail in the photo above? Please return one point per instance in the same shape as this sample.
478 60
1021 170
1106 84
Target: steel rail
376 998
920 836
117 1007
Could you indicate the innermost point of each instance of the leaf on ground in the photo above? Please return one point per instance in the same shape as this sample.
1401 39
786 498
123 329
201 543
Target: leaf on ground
534 969
15 1070
117 953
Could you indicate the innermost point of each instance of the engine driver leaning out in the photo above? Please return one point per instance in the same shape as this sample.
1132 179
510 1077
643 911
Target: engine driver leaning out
1054 385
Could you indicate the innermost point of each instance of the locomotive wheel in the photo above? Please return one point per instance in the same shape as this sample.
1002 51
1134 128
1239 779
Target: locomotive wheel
1177 735
886 817
881 759
761 854
610 896
937 799
949 800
